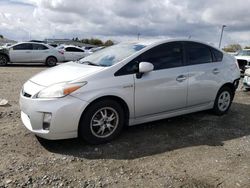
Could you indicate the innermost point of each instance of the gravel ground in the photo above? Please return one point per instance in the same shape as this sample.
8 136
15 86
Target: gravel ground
195 150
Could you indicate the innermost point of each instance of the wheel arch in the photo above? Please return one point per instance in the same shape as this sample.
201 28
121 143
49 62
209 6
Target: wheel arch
110 97
51 56
6 55
229 85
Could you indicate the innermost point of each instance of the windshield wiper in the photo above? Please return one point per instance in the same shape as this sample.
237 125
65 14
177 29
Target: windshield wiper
87 62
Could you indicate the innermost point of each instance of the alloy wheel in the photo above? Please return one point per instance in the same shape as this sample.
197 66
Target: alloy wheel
104 122
224 101
3 60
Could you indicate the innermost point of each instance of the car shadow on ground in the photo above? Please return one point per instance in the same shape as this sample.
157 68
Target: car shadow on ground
190 130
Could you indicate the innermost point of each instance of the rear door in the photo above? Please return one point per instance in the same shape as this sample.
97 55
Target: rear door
204 72
39 53
21 53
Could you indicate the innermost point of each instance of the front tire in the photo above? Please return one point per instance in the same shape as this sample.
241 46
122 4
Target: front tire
102 122
223 100
3 60
51 61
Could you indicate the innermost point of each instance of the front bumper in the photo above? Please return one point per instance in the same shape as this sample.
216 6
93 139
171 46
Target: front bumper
66 113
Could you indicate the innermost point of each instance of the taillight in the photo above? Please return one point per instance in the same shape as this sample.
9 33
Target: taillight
237 64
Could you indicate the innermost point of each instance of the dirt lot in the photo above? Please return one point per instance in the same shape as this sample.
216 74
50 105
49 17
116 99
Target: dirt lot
196 150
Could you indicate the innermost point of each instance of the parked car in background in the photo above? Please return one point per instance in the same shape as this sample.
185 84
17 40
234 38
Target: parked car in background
88 47
30 52
72 53
246 80
127 84
7 45
53 45
233 53
243 58
92 50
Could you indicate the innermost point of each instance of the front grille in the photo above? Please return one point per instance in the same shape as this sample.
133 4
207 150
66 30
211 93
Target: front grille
242 63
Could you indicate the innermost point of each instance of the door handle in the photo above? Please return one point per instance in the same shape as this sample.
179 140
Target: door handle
181 78
28 52
216 71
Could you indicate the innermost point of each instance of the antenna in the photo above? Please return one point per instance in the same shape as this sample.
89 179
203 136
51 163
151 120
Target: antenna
138 36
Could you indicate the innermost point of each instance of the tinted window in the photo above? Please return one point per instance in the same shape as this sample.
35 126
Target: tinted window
198 53
24 46
217 55
164 56
72 49
39 47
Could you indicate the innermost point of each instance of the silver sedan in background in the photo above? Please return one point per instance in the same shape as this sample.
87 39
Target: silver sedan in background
30 52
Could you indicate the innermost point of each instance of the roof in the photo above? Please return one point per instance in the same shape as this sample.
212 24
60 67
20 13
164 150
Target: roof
154 42
66 46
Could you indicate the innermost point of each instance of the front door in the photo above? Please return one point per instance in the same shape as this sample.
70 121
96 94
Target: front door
165 88
39 53
21 53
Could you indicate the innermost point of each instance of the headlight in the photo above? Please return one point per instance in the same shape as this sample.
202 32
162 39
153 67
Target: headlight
60 90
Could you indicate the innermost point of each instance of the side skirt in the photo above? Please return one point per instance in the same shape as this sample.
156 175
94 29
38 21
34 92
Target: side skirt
169 114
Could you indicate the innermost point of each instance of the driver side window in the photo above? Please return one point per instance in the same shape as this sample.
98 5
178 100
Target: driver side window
163 56
24 46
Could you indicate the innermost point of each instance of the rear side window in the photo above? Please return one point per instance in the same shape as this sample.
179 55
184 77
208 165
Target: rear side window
39 47
217 55
72 49
198 53
24 46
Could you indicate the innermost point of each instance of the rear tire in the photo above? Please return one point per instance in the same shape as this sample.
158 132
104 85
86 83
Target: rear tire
51 61
102 122
223 100
3 60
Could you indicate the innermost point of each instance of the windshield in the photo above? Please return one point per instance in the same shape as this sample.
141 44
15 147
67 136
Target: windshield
244 53
112 55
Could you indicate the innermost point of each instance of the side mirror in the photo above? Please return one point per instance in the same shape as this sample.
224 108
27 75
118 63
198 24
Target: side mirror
144 67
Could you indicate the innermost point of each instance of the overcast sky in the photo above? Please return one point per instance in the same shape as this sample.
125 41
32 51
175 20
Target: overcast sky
123 19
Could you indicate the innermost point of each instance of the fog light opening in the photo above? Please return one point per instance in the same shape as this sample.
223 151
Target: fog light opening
46 120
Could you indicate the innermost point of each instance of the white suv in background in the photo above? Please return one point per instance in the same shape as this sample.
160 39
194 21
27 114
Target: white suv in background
127 84
243 58
30 52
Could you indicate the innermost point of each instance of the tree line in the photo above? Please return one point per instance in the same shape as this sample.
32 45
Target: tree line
94 41
234 48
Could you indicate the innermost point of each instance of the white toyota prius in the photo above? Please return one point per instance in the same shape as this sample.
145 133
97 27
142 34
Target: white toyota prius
127 84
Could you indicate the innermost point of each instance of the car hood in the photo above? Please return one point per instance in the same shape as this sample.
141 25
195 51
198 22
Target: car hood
64 73
247 58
